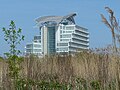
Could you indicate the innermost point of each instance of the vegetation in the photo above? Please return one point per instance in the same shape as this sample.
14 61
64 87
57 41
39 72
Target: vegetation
115 29
13 37
88 70
113 25
84 71
1 58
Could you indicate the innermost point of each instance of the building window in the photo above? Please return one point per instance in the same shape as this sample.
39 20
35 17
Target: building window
60 31
29 50
64 39
65 36
60 36
37 50
64 27
37 37
70 28
80 37
60 27
62 44
62 49
29 46
37 46
63 31
69 31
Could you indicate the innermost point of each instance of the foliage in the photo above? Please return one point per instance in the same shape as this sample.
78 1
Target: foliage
1 58
90 70
13 37
81 84
95 85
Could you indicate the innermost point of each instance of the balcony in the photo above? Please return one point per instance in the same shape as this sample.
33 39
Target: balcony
80 38
83 35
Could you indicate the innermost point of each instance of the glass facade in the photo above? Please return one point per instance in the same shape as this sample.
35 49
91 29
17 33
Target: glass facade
51 39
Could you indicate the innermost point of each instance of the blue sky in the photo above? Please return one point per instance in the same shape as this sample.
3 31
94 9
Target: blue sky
24 12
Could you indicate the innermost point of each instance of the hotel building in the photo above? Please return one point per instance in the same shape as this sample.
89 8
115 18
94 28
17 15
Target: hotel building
58 34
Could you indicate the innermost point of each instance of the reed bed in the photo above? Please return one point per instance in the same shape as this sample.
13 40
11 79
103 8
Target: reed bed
83 71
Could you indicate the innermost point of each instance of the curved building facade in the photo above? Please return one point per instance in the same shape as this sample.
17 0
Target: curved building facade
60 34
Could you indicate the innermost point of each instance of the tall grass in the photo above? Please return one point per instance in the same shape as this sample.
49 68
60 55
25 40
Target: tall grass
83 71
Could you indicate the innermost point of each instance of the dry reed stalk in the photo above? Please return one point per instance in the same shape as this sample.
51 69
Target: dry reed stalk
7 83
64 67
86 66
1 65
111 24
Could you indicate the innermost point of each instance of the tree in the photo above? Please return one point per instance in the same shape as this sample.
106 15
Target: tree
13 37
